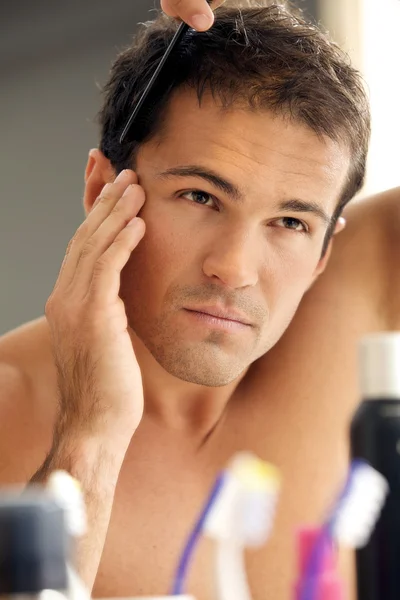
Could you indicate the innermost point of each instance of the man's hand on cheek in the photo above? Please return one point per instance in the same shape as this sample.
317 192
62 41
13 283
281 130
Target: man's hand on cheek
99 378
196 13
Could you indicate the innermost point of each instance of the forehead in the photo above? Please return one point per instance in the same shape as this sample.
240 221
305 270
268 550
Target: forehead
257 147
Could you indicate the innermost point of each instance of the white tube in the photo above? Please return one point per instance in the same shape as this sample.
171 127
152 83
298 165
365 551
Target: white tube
231 576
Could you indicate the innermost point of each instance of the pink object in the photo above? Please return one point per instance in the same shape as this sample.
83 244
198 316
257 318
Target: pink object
327 585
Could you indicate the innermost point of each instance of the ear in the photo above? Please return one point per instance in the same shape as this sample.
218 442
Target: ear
98 172
340 225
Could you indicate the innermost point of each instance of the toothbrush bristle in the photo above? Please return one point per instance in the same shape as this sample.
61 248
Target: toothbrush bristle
245 508
360 508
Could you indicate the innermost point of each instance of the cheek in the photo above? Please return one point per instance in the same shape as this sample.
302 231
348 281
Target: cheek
165 242
283 283
159 258
285 278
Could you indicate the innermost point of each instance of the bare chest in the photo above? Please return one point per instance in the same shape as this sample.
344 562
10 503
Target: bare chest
159 498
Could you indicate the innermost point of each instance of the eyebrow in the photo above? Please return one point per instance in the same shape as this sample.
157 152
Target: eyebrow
212 177
306 207
229 188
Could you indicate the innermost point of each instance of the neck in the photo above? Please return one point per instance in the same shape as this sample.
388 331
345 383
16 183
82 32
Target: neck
177 404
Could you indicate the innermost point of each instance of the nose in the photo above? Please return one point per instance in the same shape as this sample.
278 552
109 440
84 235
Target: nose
232 258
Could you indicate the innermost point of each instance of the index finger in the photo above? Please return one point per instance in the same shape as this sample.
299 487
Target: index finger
104 204
196 13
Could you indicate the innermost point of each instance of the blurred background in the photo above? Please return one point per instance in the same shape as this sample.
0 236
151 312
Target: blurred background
55 54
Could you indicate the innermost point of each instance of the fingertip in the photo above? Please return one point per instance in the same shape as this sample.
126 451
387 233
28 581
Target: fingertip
127 176
202 22
137 223
142 221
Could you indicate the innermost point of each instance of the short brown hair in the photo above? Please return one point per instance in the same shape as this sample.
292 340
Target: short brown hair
268 57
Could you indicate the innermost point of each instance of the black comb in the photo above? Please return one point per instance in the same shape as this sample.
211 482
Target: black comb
179 35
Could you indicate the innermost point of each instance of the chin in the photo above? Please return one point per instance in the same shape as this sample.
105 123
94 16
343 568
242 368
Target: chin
208 378
212 368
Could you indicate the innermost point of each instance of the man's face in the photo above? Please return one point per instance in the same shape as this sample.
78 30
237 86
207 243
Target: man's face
234 213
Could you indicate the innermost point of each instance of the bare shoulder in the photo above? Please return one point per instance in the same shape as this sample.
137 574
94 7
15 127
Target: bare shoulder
374 220
378 214
26 414
364 267
367 253
387 206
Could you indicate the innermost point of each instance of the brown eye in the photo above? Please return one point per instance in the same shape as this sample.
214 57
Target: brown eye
199 197
293 224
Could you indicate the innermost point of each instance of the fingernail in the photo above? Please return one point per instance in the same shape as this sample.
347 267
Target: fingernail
133 222
201 22
123 175
128 190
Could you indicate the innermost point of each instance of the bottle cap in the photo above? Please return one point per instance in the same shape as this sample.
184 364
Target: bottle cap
380 366
33 544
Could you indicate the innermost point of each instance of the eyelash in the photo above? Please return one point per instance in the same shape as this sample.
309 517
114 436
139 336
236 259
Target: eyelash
200 193
305 228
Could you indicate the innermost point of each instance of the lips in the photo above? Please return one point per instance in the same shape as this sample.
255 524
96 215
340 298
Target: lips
221 313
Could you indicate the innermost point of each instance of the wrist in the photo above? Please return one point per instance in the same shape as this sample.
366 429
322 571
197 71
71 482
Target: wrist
84 456
88 448
105 432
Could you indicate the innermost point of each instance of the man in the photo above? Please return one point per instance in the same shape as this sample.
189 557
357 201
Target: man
166 347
